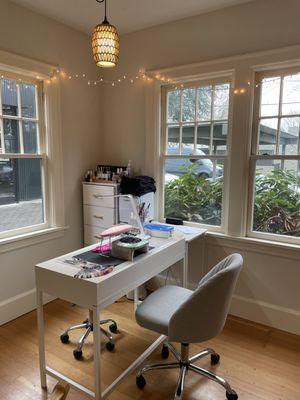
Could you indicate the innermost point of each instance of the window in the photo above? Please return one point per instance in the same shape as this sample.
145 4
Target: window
194 150
22 155
275 203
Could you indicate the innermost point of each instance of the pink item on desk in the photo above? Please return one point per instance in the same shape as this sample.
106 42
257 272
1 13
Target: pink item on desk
116 230
103 248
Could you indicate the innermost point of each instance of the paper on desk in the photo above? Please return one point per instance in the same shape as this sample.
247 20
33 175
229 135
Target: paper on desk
187 230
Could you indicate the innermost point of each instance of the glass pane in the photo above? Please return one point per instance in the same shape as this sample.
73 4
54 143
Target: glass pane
28 97
173 140
9 97
204 103
289 136
188 139
267 136
277 197
193 190
291 95
11 135
21 200
203 138
188 104
30 137
174 106
221 101
220 133
269 102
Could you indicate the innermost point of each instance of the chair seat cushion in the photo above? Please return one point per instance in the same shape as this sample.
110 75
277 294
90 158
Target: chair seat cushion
157 309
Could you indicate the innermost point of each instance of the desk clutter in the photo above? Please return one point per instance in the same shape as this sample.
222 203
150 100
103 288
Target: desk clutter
106 202
102 259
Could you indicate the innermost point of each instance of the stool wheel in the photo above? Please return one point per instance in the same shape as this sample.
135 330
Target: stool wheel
165 351
77 354
113 328
231 396
214 359
140 382
64 338
110 346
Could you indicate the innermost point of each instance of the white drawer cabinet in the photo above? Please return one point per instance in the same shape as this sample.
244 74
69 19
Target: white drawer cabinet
99 211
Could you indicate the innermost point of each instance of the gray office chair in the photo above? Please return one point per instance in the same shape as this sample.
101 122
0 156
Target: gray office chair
88 326
187 316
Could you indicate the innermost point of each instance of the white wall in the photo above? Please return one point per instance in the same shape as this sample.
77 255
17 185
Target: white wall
34 36
268 290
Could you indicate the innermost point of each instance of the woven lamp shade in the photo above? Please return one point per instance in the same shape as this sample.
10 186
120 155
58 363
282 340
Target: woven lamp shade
105 45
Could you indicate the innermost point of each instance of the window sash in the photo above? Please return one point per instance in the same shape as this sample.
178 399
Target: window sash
163 144
39 113
255 156
196 122
41 147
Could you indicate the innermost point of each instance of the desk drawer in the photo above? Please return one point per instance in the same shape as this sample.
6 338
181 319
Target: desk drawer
103 217
92 234
94 196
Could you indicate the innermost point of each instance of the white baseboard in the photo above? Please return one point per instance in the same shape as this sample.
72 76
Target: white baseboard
19 305
262 312
265 313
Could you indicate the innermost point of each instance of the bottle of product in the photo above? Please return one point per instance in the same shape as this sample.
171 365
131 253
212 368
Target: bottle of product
129 169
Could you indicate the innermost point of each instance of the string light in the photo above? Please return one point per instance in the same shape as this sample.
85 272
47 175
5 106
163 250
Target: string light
58 72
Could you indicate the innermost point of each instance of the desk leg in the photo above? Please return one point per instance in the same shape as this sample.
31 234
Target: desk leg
41 338
185 266
97 355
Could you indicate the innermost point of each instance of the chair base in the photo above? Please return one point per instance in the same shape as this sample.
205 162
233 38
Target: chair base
88 326
185 363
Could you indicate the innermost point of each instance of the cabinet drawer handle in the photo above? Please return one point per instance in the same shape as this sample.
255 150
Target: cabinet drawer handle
98 196
97 237
98 216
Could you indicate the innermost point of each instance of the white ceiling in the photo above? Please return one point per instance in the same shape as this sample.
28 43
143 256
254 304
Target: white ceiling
127 15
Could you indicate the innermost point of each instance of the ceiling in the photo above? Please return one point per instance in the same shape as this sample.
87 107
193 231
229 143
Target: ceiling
127 15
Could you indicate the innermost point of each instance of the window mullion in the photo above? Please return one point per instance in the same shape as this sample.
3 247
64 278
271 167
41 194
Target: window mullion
180 122
195 122
279 116
21 138
211 120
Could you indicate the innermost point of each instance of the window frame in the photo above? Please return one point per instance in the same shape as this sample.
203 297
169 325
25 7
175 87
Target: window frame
51 142
162 145
254 151
41 154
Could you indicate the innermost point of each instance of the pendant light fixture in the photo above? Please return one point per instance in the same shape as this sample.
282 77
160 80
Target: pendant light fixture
105 43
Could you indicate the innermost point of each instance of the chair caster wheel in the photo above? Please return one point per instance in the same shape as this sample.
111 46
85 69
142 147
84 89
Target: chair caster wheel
140 382
110 346
77 354
64 338
113 328
214 359
165 351
85 321
232 396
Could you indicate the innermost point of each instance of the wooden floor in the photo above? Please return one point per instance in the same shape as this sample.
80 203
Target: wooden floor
260 363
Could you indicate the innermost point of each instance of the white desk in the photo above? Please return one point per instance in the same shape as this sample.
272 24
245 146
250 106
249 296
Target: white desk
56 278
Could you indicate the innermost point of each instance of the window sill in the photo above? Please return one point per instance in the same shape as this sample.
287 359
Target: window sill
31 238
277 249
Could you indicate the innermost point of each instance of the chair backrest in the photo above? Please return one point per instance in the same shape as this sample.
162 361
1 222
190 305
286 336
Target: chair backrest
202 316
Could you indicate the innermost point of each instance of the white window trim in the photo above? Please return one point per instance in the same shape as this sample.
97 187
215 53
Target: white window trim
243 68
54 191
193 81
287 67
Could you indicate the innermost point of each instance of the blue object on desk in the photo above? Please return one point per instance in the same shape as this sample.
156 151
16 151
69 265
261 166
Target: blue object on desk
159 230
